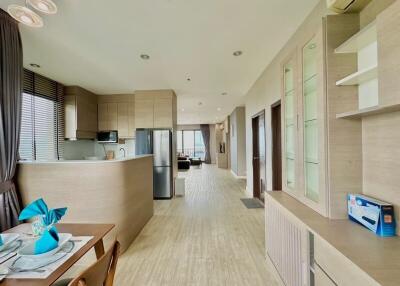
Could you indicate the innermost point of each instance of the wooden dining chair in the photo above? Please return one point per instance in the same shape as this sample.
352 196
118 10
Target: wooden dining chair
100 273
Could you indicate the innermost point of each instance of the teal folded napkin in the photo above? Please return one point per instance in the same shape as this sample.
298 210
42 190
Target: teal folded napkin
47 242
39 208
49 238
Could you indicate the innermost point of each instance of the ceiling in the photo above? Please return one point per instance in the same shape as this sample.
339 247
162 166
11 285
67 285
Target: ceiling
97 44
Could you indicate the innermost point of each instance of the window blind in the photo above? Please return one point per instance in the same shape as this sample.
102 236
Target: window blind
42 122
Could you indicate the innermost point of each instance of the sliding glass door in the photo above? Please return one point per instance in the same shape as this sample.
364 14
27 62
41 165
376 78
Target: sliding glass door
190 143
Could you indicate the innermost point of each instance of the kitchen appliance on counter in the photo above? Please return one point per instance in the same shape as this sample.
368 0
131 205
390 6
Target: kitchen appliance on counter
107 136
159 143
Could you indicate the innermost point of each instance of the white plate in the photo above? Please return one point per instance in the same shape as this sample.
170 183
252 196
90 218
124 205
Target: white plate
29 250
7 239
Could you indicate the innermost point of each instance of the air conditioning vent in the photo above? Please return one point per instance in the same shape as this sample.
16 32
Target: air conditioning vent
347 6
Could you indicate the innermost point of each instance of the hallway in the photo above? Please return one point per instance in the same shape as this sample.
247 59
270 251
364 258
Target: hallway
207 237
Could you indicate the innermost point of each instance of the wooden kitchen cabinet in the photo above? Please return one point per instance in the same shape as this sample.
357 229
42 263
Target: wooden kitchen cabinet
122 119
163 112
80 113
117 112
102 116
155 109
113 116
144 110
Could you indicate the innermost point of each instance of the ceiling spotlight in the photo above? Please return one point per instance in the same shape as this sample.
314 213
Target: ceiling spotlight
145 57
237 53
183 109
34 65
200 103
44 6
224 93
188 79
25 16
219 108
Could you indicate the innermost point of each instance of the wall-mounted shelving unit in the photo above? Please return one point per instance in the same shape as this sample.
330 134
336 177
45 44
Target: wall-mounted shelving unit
360 76
364 44
363 38
369 111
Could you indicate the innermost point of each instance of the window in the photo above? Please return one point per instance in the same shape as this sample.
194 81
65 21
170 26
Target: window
190 143
42 127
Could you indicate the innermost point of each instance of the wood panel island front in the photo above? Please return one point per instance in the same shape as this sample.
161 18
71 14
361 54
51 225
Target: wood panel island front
118 192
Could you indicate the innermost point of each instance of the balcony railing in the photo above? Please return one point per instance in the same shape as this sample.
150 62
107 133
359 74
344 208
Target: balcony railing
198 152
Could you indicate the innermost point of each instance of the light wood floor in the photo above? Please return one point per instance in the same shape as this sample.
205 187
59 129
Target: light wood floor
206 238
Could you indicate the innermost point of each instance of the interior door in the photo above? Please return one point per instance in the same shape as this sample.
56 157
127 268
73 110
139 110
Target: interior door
276 147
258 127
261 144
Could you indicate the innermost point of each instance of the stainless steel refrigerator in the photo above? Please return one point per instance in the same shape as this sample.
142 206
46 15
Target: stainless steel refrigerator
158 143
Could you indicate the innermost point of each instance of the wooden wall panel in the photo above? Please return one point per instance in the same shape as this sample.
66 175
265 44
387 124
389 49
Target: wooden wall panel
381 159
388 29
344 136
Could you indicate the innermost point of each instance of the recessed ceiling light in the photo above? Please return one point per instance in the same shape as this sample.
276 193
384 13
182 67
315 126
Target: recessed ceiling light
44 6
224 93
25 16
200 103
219 108
188 79
34 65
145 57
183 109
237 53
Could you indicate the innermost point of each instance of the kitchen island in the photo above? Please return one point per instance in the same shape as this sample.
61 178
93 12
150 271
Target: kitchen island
118 191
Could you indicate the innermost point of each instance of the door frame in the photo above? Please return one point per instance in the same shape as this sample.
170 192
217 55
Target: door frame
276 156
257 183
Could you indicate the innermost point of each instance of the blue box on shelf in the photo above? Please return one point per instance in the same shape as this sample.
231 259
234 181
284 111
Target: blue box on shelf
375 215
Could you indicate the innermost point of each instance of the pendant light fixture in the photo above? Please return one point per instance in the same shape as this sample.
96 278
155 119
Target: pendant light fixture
44 6
27 17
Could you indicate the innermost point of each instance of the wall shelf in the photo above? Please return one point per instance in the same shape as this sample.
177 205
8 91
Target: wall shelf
359 76
369 111
358 41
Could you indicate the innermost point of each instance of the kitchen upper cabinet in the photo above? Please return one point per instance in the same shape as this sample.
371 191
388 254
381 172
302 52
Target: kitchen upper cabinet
163 112
103 116
144 110
113 116
155 109
117 112
122 120
80 113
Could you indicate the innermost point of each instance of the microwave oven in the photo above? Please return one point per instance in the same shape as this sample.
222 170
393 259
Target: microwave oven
107 136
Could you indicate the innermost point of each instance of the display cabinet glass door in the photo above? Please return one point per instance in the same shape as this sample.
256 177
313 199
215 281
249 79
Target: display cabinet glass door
310 117
290 125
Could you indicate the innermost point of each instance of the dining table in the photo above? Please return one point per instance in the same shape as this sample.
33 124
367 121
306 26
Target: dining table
96 231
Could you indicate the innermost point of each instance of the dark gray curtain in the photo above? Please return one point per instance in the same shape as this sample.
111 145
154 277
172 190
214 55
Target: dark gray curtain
205 131
11 73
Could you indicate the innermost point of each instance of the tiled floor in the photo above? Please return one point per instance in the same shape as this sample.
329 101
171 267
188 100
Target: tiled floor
207 237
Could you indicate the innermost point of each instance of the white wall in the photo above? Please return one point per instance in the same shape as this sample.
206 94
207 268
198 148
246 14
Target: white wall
267 90
238 141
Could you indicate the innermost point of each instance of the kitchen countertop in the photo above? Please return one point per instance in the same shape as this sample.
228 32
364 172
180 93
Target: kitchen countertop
128 158
379 257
